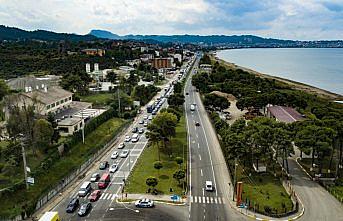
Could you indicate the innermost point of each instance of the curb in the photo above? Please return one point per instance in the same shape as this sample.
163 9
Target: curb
302 168
155 201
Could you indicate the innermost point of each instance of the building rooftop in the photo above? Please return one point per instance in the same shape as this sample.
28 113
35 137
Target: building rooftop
285 114
75 107
51 95
70 121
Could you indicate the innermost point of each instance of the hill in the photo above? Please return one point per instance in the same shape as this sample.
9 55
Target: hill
12 33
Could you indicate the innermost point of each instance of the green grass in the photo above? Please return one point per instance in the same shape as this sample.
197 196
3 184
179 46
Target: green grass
144 167
98 99
12 204
266 190
337 191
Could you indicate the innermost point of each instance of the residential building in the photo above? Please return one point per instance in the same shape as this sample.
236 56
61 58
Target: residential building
70 125
283 114
30 83
159 63
94 51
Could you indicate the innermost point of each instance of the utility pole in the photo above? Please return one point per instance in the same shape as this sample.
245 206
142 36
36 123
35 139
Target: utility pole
234 181
24 159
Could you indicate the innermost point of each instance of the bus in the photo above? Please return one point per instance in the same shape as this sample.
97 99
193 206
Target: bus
50 216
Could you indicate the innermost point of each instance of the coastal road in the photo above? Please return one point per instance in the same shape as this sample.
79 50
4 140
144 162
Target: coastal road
318 203
206 164
106 208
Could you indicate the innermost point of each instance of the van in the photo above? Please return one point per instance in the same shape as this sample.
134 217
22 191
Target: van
209 186
135 138
104 181
85 189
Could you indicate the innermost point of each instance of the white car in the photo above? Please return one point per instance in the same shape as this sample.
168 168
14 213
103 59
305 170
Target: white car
124 153
144 203
135 138
121 146
95 177
140 130
113 168
141 122
145 117
127 138
115 155
145 124
150 117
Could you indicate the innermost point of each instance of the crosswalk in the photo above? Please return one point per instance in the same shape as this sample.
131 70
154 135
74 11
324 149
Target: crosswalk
104 196
207 200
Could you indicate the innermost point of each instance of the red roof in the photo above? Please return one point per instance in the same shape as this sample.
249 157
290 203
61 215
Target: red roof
285 114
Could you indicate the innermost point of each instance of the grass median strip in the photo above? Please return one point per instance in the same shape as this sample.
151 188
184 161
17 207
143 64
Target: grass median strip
145 168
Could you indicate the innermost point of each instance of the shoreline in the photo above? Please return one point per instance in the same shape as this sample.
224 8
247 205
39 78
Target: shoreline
294 84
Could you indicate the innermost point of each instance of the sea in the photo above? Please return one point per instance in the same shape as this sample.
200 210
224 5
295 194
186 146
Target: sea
319 67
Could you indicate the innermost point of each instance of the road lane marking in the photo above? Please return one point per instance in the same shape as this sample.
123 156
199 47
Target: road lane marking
219 200
199 199
109 196
198 145
195 199
197 135
215 200
203 191
211 199
204 199
191 198
201 172
114 196
199 156
207 200
105 196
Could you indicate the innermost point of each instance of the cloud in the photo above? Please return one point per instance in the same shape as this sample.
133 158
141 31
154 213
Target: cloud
291 19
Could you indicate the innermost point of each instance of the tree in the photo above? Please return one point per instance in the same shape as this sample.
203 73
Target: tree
76 81
155 138
176 100
178 88
216 101
158 165
151 181
174 111
4 89
42 133
56 135
179 175
164 124
112 77
179 161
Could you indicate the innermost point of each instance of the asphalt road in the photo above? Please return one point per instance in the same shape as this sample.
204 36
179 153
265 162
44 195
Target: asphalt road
105 207
206 164
318 203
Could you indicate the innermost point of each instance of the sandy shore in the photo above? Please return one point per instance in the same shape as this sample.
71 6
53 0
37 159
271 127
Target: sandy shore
295 85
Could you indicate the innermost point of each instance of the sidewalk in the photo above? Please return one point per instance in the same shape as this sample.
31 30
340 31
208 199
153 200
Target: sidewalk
164 198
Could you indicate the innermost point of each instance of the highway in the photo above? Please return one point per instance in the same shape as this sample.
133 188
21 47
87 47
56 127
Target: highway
206 164
104 208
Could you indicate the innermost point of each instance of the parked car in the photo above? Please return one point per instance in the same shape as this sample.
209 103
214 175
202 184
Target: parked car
114 167
127 138
95 177
145 117
145 124
121 145
197 124
115 155
141 130
72 206
85 209
150 117
94 196
135 130
103 165
141 122
124 153
144 203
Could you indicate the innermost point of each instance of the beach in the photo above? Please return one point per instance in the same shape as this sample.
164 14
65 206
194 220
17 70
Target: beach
293 84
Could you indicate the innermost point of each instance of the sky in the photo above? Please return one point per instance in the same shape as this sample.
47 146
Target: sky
286 19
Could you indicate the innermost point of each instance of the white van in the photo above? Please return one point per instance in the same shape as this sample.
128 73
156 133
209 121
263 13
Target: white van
135 138
209 186
192 107
85 188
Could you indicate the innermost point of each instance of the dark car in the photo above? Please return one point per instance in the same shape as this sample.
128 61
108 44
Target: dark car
187 93
72 206
197 124
104 165
85 209
135 130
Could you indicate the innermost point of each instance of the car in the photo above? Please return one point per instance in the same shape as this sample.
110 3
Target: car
197 123
95 195
114 167
72 206
150 117
135 138
145 117
141 122
103 165
144 203
187 93
121 145
141 130
145 124
209 186
153 113
85 209
124 153
127 138
95 177
115 155
135 130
